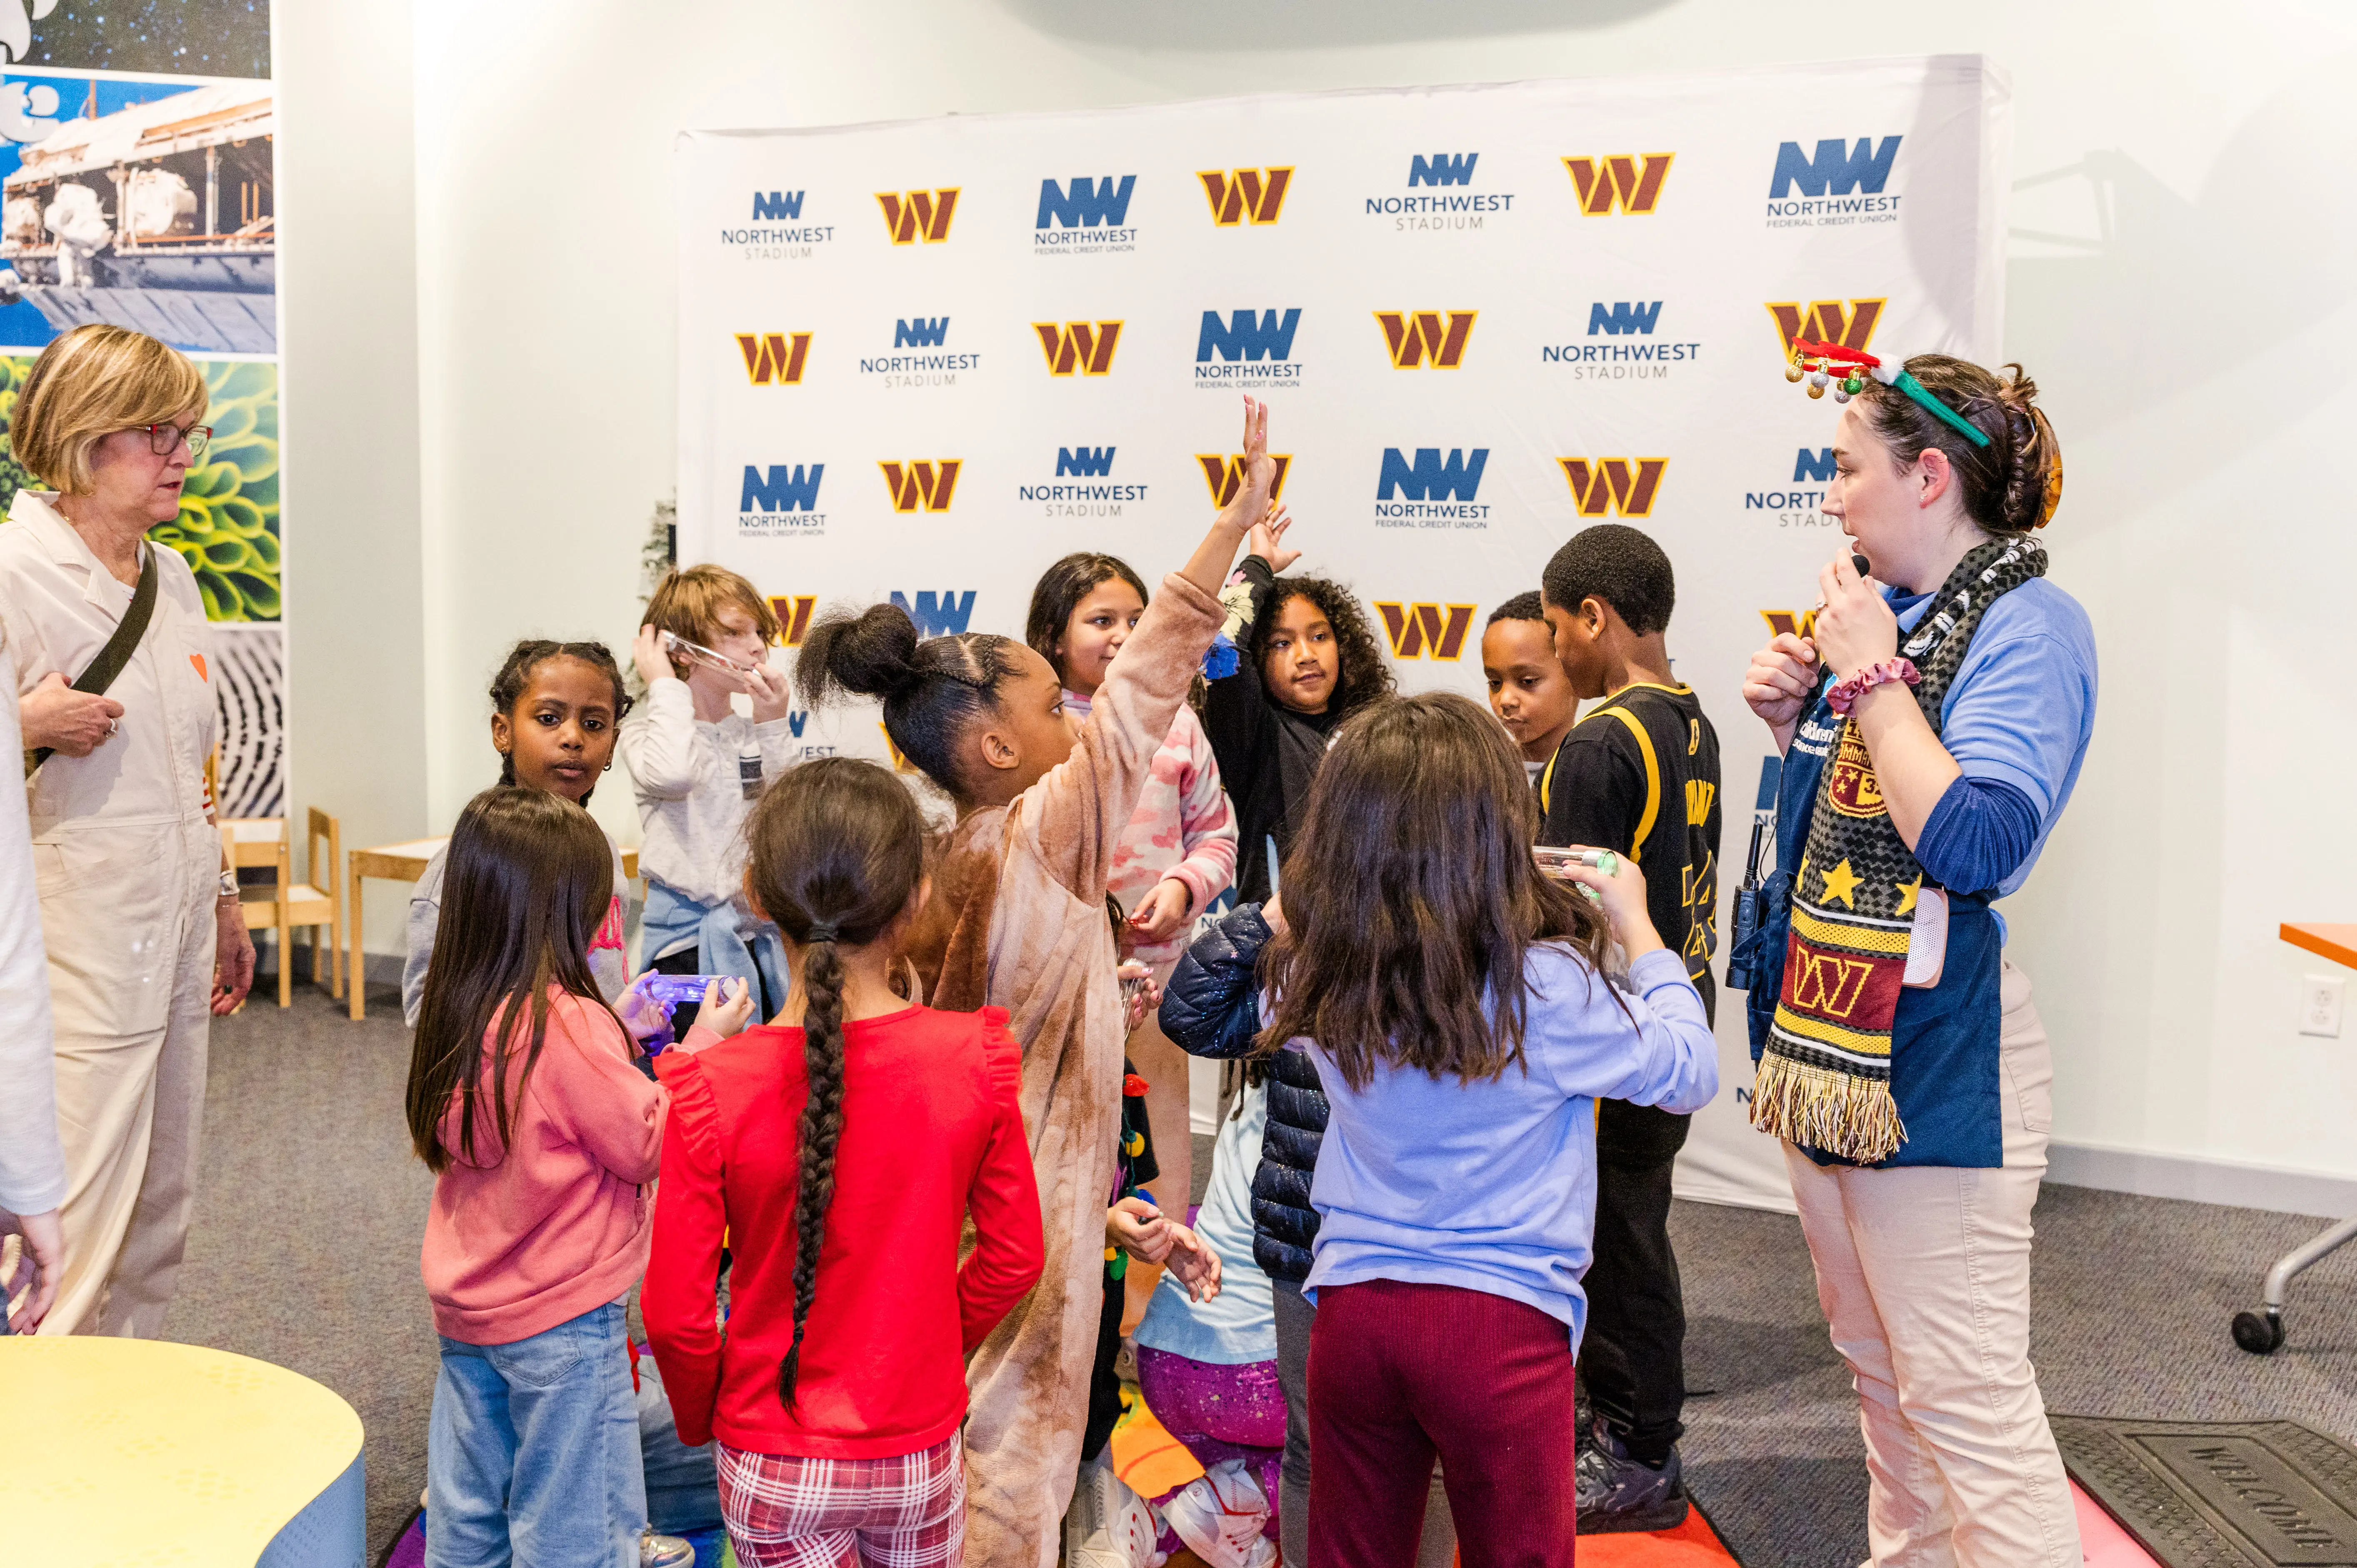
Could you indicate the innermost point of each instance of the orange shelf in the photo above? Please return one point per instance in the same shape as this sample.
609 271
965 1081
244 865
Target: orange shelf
2336 943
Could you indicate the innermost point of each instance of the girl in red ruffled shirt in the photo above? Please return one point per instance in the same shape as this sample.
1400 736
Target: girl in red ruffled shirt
839 1151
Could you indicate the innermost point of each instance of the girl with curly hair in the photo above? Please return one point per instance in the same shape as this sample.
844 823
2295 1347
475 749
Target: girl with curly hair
1310 661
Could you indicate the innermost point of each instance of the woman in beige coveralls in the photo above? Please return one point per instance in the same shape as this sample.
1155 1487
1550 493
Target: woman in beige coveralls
145 939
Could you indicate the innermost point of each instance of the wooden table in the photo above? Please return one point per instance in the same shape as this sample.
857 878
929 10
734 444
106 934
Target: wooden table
405 863
2336 943
141 1450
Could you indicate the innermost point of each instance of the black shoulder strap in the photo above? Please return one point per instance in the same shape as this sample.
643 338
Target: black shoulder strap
111 659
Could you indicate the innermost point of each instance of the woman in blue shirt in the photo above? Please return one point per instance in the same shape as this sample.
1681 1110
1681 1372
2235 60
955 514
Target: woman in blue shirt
1932 729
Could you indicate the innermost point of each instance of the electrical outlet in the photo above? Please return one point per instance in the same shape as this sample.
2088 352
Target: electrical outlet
2319 1006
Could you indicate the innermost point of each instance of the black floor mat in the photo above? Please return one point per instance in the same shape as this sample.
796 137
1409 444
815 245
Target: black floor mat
2226 1494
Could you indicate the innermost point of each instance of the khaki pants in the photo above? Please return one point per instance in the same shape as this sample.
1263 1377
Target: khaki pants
1163 1065
1924 1273
129 921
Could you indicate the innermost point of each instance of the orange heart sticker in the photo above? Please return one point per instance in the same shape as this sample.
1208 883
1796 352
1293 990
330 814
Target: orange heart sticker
199 660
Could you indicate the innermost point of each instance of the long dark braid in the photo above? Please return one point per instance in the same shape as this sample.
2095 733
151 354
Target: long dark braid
834 853
820 1132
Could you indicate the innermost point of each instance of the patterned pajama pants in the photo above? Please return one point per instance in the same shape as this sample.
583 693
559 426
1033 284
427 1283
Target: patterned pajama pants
785 1511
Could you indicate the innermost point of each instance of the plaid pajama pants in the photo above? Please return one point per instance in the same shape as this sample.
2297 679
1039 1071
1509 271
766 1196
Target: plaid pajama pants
785 1511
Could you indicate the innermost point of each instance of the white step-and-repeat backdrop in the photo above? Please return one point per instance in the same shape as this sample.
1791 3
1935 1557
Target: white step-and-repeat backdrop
922 360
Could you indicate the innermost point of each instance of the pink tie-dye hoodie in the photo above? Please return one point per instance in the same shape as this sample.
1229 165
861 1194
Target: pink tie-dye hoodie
1184 829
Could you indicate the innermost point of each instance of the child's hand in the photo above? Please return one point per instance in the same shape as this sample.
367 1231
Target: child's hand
1137 1227
640 1014
1249 505
1163 913
1272 915
727 1007
1194 1265
773 693
1139 994
1266 539
1622 896
647 656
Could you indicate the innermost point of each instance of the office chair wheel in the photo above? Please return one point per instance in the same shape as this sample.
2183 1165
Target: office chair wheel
2260 1333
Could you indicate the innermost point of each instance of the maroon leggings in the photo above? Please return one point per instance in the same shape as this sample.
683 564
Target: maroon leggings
1399 1372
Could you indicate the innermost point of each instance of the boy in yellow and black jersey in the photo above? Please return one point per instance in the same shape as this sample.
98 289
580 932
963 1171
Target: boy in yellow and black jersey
1637 775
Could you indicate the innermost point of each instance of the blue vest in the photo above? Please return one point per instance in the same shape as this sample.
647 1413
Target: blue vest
1944 1042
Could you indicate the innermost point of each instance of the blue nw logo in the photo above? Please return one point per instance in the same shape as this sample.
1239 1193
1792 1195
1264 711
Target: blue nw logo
920 332
1808 465
1248 337
1441 168
1838 169
1090 204
938 615
1624 317
777 204
1429 477
1084 462
784 488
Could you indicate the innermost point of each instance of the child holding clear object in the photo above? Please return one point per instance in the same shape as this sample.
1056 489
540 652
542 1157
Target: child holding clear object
698 764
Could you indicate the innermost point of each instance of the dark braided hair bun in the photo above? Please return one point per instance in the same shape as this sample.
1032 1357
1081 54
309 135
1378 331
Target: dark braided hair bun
2009 486
835 851
934 688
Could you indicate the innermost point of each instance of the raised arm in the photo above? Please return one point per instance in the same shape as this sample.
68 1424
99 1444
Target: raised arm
1073 818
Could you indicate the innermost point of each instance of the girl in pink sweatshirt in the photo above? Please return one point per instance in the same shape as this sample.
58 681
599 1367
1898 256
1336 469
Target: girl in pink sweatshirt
543 1136
1178 852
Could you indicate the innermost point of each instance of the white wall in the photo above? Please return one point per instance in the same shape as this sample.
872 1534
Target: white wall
2180 284
356 697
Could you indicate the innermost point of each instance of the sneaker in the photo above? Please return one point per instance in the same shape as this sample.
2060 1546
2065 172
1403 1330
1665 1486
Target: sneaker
1220 1517
664 1552
1109 1526
1619 1494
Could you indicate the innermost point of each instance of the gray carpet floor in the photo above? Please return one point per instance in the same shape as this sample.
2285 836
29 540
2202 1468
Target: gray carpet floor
303 1252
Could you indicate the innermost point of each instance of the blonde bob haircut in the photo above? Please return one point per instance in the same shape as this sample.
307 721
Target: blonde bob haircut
89 383
687 603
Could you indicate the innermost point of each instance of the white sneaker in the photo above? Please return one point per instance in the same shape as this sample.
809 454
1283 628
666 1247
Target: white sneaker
1109 1526
664 1552
1220 1517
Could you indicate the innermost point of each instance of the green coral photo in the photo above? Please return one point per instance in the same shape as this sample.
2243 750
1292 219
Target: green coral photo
228 526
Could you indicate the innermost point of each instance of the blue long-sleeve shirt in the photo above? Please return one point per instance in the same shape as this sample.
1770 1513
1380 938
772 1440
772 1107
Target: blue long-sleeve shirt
1492 1185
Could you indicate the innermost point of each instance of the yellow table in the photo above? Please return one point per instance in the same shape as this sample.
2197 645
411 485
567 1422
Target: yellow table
405 863
138 1451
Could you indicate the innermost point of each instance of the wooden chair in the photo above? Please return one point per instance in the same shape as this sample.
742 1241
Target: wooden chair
286 903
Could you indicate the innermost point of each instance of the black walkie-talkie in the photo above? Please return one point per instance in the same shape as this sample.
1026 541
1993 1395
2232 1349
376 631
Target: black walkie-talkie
1739 975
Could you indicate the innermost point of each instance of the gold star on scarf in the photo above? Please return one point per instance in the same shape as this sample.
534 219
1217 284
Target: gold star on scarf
1908 893
1840 883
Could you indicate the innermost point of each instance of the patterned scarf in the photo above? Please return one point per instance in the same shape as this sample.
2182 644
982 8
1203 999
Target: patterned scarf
1825 1073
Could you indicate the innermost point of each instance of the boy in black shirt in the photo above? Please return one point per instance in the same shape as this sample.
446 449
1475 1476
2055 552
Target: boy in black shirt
1638 775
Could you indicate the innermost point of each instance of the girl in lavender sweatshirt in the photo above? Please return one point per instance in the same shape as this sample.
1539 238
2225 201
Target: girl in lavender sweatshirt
1456 1004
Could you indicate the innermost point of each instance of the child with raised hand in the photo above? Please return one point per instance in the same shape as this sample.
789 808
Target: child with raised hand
698 764
837 1151
1455 1182
1178 852
1018 920
555 706
1530 690
1308 660
542 1135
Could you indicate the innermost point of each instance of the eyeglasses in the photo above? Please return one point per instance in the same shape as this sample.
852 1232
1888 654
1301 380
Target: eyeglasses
162 440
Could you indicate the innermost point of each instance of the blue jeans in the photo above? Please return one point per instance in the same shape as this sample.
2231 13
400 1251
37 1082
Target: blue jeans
532 1455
